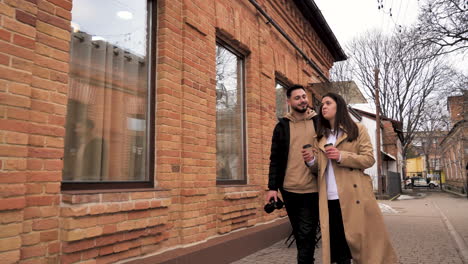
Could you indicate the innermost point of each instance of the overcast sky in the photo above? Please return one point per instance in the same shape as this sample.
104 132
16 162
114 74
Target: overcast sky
349 19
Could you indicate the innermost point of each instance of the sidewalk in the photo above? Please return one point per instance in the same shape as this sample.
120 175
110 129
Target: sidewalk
416 226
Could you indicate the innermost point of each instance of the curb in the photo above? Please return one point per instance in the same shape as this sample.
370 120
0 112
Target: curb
459 194
461 246
394 197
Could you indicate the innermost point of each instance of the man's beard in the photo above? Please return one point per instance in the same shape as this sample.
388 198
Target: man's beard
300 109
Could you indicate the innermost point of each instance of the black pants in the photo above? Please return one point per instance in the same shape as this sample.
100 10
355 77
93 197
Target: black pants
303 212
339 248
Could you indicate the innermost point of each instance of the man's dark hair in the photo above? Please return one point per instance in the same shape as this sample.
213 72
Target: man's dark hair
342 119
292 88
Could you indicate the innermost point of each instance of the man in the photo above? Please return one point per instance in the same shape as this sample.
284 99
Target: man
87 160
289 174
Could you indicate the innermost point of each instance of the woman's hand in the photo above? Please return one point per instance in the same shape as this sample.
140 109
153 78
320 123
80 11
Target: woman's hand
333 153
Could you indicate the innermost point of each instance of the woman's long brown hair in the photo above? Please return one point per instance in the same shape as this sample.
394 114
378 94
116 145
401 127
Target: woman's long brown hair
342 119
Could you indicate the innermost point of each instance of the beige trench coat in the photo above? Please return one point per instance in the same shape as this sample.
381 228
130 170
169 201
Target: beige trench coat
363 223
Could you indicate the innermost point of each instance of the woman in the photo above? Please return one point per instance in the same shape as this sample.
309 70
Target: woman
350 219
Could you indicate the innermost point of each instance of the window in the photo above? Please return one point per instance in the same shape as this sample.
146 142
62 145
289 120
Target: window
230 125
282 107
108 138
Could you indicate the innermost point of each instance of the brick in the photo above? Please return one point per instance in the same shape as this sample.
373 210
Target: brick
49 211
17 113
30 239
14 125
14 50
7 10
33 251
78 246
45 5
70 258
35 164
12 177
8 190
52 188
41 200
53 53
49 235
53 20
59 121
67 5
46 153
10 230
16 138
51 63
53 248
63 13
34 188
15 164
74 235
53 165
23 65
24 42
53 42
42 106
32 212
25 18
10 243
15 75
21 89
39 93
24 5
44 224
4 59
83 222
10 217
52 30
10 257
14 100
19 27
13 151
5 35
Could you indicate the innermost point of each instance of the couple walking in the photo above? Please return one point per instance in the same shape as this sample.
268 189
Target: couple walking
326 184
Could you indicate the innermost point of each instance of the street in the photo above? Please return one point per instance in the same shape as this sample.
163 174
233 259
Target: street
426 227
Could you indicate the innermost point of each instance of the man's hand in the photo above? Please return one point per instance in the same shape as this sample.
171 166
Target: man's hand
308 154
332 153
271 194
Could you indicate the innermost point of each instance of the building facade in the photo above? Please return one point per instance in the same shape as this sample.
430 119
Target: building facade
130 129
454 147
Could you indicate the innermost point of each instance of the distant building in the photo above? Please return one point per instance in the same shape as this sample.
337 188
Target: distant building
391 151
454 147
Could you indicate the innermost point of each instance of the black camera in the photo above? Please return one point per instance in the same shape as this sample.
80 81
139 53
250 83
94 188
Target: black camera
272 205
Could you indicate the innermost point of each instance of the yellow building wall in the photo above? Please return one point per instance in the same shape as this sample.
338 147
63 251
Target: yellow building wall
414 166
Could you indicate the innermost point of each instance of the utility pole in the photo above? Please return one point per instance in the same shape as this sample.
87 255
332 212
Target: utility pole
377 132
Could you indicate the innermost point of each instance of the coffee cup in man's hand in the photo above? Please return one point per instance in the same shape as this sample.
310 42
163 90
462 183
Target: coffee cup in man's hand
307 152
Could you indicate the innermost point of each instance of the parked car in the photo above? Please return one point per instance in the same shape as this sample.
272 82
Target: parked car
420 182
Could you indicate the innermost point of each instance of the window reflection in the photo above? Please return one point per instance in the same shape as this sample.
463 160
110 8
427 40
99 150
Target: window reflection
107 106
229 115
281 103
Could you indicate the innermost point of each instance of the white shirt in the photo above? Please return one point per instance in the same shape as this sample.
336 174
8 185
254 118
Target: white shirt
332 190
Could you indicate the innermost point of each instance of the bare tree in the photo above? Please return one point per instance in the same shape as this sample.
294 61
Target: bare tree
408 76
445 24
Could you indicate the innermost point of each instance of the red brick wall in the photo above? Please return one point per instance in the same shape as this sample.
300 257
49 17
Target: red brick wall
455 105
39 223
